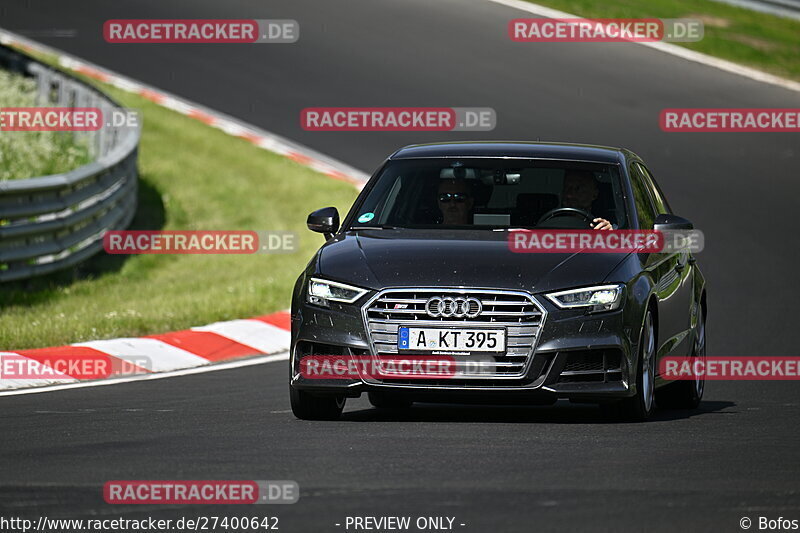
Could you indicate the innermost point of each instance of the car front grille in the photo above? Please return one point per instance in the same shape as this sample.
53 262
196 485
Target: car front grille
517 312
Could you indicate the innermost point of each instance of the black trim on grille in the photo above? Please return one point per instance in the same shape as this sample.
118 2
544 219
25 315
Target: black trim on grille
602 365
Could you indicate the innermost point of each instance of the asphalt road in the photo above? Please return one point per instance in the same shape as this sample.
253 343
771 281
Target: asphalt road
508 469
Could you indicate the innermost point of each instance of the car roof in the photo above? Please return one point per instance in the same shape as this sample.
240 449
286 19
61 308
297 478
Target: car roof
513 149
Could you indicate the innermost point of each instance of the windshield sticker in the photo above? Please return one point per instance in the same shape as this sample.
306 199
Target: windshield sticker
366 217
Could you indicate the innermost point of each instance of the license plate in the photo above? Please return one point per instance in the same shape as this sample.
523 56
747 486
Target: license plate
451 340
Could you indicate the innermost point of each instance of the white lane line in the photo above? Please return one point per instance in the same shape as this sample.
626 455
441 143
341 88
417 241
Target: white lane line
149 377
160 355
261 336
668 48
33 382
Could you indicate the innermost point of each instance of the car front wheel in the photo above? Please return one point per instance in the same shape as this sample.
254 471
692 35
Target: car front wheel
640 406
687 394
306 406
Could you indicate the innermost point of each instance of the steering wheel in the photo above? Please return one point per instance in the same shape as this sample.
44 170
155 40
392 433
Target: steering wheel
561 211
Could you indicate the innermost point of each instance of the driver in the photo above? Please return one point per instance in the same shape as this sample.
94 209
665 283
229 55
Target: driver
455 201
579 192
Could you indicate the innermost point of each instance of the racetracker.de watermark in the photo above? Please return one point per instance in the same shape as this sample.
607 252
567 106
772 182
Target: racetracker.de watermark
612 241
731 368
65 118
189 31
570 30
730 120
398 119
209 492
355 367
199 242
82 364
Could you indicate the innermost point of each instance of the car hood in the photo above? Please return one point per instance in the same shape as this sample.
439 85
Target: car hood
378 259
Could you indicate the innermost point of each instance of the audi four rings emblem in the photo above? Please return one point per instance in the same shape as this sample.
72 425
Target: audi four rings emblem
453 307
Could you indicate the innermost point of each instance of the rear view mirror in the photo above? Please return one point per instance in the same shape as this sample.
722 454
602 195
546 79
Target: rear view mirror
325 221
666 222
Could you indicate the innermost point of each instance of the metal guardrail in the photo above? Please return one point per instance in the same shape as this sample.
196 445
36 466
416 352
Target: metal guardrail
48 223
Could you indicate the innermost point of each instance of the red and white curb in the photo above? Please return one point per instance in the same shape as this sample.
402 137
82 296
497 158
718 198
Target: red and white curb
261 138
215 343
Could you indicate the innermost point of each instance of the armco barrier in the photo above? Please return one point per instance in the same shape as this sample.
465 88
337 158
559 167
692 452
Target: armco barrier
52 222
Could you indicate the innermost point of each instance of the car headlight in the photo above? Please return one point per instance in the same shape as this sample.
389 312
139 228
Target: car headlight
322 292
600 298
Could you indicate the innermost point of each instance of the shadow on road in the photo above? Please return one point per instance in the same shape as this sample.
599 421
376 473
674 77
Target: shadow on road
561 413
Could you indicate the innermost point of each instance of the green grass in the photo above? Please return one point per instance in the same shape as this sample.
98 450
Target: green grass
25 154
192 177
758 40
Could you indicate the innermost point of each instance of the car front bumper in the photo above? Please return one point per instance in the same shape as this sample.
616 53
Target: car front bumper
577 355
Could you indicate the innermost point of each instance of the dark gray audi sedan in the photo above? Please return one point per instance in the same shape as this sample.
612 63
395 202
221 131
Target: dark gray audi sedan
421 270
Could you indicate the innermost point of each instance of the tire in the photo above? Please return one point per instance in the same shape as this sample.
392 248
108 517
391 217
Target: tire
689 393
639 407
306 406
384 401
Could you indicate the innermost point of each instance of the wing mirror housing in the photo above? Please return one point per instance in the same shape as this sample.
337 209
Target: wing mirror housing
665 222
325 221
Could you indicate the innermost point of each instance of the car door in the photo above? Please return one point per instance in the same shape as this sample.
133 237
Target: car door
683 295
660 266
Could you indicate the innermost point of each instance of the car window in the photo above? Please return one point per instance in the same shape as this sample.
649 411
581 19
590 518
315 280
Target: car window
660 201
644 206
488 193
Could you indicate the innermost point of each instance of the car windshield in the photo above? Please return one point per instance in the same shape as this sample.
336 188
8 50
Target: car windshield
491 194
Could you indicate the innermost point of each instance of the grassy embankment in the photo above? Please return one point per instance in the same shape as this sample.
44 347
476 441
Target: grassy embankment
24 154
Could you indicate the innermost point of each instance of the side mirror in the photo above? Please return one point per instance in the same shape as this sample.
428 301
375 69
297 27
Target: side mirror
665 222
325 221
